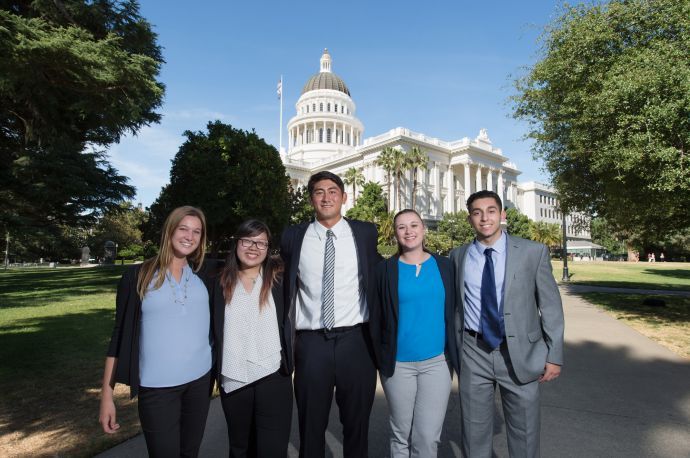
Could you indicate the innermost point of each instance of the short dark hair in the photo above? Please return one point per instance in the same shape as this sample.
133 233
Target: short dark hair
482 195
324 175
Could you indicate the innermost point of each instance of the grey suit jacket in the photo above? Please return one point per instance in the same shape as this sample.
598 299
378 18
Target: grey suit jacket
532 309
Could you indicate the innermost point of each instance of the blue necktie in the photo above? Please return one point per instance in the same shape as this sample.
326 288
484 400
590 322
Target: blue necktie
490 321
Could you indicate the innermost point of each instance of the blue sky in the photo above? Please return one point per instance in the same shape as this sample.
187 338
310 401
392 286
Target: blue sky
440 68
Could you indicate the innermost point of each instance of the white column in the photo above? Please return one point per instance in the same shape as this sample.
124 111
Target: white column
451 190
316 136
468 182
500 186
490 179
437 189
352 135
479 178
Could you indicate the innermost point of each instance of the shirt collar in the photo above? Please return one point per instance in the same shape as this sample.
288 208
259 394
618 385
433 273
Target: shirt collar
499 246
337 228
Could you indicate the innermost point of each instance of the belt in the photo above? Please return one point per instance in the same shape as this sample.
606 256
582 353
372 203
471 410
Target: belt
338 330
474 334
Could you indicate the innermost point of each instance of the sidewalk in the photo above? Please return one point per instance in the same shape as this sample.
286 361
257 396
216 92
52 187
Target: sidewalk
620 395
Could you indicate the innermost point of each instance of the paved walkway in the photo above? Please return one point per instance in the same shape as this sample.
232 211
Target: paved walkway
620 395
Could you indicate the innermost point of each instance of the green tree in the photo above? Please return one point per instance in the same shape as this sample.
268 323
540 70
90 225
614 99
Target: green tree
415 159
74 77
386 231
386 162
547 233
371 205
122 226
438 242
231 175
518 224
609 108
354 177
605 236
301 210
456 227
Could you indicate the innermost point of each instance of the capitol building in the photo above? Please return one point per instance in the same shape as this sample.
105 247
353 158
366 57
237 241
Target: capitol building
325 134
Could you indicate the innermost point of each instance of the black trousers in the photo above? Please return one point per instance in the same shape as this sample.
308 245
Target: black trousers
173 418
259 417
339 359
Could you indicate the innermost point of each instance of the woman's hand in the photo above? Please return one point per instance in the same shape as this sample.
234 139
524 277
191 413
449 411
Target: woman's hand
107 415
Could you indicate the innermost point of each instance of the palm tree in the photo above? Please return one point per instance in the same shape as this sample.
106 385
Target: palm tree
399 166
355 178
415 159
547 233
385 161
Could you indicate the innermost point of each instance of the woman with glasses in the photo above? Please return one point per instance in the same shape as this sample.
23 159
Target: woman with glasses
253 365
161 345
415 316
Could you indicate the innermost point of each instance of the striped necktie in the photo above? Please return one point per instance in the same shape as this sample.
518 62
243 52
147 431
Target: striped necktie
327 297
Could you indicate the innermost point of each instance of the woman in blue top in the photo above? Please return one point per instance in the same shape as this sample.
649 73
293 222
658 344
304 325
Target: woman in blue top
161 344
414 318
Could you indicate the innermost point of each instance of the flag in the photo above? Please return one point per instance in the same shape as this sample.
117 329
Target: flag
280 88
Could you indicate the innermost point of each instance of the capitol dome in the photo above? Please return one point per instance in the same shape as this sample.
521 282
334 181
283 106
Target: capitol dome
325 79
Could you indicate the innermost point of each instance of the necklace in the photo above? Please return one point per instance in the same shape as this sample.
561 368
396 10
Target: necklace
253 279
177 300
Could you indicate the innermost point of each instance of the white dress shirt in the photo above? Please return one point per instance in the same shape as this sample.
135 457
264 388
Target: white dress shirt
350 303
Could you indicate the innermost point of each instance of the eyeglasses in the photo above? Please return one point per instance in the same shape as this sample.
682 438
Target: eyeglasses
259 244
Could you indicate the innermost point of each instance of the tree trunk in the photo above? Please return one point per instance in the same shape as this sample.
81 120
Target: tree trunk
633 254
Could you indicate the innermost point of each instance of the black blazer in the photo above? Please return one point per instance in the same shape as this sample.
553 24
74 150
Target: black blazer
366 239
218 318
386 318
124 342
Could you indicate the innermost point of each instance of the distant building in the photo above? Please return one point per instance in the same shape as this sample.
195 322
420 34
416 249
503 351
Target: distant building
325 134
539 202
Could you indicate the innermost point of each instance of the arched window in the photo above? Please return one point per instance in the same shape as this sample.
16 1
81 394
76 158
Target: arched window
342 108
328 107
336 107
328 135
321 107
313 107
307 108
320 135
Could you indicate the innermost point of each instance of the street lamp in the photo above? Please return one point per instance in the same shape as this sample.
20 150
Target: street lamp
566 276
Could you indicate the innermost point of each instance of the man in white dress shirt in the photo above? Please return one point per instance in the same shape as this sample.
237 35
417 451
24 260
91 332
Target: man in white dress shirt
329 264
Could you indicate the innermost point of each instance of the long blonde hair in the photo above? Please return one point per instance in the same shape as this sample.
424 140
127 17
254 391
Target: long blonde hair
163 259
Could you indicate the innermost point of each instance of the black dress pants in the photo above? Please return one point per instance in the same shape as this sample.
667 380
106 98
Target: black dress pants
339 359
259 417
173 418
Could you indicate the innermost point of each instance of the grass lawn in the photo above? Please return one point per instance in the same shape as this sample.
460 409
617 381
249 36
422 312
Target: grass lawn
643 275
54 328
670 325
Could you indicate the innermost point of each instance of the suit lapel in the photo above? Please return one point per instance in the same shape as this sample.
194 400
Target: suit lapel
512 264
392 272
296 253
460 277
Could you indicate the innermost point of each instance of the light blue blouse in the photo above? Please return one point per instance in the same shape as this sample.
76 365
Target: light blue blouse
175 325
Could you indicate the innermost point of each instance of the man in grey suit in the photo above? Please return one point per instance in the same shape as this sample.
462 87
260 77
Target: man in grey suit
509 322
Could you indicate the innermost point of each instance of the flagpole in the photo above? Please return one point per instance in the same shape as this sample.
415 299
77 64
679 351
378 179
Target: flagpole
281 115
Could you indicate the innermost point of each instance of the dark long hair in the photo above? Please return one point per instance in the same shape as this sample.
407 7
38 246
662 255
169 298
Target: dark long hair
271 267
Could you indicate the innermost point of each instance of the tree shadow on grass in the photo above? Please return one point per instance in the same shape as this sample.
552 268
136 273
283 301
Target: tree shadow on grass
50 383
42 287
673 273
